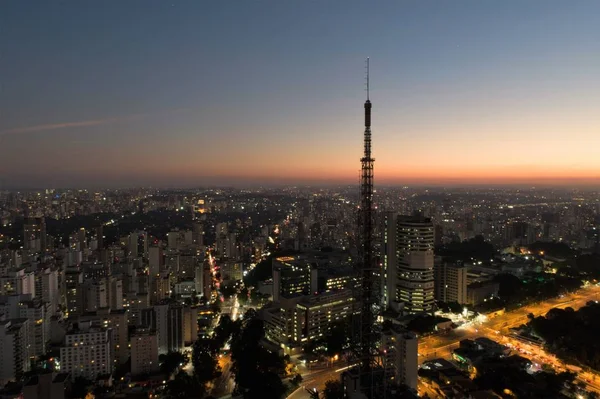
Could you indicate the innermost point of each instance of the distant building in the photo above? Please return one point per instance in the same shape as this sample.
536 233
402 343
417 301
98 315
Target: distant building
34 234
170 329
117 321
87 351
74 291
450 282
231 271
14 341
413 277
144 352
478 293
293 275
301 318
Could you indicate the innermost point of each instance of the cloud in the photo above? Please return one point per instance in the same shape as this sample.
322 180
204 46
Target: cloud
55 126
68 125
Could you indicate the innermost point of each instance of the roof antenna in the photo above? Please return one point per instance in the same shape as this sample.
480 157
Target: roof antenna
367 78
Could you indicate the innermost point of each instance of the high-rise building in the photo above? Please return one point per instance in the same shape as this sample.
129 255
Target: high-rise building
14 341
81 238
414 279
95 295
160 288
198 234
190 325
293 275
399 349
46 287
169 326
74 292
450 282
34 234
87 351
37 312
115 292
203 280
300 318
144 352
156 260
138 244
100 237
117 321
388 258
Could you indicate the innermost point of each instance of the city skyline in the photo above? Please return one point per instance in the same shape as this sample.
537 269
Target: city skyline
192 94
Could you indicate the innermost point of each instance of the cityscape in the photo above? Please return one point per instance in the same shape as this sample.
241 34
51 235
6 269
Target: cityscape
177 250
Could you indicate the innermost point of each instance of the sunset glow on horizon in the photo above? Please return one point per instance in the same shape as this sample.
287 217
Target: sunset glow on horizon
196 93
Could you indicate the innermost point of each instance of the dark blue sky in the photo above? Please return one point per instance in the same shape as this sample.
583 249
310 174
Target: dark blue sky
192 92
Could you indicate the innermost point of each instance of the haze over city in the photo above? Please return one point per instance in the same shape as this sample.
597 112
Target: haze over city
112 94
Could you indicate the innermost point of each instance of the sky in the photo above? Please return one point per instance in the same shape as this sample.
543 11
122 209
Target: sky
191 93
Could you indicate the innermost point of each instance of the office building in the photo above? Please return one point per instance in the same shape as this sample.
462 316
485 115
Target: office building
293 275
414 279
301 318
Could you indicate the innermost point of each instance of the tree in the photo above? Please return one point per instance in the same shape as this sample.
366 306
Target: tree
215 307
80 387
185 386
204 359
243 296
228 291
333 390
171 361
224 330
256 369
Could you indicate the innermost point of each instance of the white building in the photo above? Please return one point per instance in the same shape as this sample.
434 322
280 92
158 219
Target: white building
87 351
399 349
117 321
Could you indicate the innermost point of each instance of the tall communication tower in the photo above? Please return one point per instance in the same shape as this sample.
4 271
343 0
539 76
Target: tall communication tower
366 290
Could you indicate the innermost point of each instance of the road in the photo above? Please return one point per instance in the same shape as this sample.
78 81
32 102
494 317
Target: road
317 378
498 329
225 383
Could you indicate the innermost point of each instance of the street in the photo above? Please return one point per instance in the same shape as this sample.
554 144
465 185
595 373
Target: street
498 329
